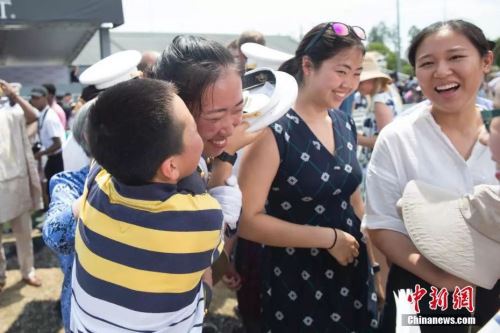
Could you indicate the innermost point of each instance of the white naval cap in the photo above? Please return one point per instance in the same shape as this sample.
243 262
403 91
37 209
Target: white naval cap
263 56
268 95
118 67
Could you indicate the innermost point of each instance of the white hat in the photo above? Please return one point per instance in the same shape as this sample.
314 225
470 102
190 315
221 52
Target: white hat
263 56
460 235
371 70
268 95
116 68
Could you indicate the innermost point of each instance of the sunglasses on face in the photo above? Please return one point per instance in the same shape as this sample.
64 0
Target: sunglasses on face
488 116
339 29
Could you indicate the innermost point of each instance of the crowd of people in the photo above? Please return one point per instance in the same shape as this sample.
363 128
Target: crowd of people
311 220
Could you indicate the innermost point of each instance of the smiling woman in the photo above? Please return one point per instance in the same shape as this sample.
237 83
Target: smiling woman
438 143
209 83
298 182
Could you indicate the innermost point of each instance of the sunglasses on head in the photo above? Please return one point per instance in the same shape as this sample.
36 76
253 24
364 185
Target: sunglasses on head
339 29
488 116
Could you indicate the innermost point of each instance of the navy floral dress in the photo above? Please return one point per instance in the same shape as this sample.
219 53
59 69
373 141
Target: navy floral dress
307 290
59 228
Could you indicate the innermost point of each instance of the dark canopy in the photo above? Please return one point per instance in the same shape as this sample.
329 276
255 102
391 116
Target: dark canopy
51 32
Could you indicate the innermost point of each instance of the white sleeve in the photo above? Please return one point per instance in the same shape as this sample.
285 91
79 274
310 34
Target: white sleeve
380 98
53 127
383 188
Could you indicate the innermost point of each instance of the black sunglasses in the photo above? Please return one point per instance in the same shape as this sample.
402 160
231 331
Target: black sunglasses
488 116
339 29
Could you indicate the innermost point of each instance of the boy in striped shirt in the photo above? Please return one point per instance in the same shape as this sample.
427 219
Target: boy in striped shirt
143 243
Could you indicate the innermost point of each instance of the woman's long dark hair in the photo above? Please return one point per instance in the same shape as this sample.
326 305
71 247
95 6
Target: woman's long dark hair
326 47
192 63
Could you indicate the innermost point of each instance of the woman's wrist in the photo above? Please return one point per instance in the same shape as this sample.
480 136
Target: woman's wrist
327 238
334 242
221 171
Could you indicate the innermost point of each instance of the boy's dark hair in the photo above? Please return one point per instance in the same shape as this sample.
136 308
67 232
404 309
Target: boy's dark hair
325 48
472 32
193 64
132 129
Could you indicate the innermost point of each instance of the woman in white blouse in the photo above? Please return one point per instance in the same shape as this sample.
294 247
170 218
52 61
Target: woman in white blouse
438 144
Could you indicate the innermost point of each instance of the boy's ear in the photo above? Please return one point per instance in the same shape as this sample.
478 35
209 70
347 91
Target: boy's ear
169 169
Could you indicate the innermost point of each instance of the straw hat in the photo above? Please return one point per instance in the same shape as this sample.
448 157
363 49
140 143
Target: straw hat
371 70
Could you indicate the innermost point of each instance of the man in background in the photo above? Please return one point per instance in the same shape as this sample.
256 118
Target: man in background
50 132
148 60
20 192
249 36
51 98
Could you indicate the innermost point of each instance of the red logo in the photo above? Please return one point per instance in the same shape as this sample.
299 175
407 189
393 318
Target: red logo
462 298
415 297
438 299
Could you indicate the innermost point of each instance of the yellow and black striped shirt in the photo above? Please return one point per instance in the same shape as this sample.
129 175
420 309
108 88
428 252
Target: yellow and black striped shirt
142 250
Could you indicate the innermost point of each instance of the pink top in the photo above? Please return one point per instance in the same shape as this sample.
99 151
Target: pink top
60 113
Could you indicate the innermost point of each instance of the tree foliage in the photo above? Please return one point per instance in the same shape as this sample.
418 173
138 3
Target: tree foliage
381 33
412 32
381 36
496 52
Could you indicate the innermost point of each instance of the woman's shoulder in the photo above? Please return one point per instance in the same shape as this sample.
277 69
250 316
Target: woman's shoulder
71 178
383 95
286 121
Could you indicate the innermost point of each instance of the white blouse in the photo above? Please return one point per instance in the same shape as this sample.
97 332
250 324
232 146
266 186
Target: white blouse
414 147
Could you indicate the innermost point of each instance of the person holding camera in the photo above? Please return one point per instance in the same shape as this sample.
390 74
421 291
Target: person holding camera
50 134
20 192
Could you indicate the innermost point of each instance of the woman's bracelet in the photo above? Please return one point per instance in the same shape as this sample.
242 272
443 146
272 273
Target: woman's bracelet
334 240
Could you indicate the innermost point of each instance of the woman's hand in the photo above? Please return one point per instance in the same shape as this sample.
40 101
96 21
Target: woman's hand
7 89
240 138
232 278
346 248
75 207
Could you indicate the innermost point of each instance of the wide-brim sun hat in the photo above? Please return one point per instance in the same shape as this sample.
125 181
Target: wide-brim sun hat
371 70
459 234
118 67
268 95
262 56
